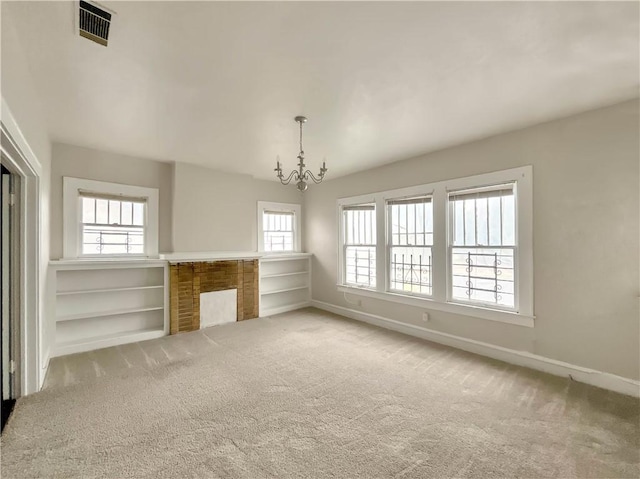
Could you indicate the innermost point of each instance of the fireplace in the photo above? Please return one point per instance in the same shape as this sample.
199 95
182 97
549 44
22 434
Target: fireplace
188 280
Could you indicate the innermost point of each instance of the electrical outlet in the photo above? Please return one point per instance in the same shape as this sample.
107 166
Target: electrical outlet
425 317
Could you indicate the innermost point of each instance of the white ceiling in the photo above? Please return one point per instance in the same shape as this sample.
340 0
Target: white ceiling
218 84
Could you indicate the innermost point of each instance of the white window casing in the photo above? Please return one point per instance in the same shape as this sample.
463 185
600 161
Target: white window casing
141 232
279 227
474 191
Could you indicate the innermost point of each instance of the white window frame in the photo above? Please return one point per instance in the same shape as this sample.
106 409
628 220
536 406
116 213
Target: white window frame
72 215
389 246
442 229
294 208
344 249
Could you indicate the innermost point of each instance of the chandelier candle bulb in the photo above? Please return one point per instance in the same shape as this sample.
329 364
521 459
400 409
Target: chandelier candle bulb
301 176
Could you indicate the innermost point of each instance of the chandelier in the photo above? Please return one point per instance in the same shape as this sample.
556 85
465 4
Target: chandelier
301 176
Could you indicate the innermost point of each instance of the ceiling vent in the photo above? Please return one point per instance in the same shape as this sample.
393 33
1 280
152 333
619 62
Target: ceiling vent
94 23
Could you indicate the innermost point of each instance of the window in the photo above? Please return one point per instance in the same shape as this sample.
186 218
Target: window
410 244
462 246
278 227
482 252
112 225
360 245
109 219
278 230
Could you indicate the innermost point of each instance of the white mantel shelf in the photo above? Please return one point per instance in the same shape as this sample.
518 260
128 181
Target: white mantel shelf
105 263
90 263
226 255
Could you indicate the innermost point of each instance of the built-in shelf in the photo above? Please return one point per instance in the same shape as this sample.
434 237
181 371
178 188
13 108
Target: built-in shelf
285 283
102 314
108 290
278 275
107 303
285 290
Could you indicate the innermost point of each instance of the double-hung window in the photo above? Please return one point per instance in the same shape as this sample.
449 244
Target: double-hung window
278 227
462 246
483 246
359 245
410 242
278 230
112 225
109 219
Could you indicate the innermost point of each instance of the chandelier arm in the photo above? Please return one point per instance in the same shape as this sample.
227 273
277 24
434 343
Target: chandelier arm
293 174
308 174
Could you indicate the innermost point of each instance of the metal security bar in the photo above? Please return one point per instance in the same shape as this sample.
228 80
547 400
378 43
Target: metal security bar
484 275
411 274
105 239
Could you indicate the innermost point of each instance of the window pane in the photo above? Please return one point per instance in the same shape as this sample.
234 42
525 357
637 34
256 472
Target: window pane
138 214
469 213
112 240
102 211
508 220
127 213
114 212
458 222
495 221
88 210
483 275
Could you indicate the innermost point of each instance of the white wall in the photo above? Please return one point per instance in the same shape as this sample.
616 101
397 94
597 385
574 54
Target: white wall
216 211
19 92
586 242
79 162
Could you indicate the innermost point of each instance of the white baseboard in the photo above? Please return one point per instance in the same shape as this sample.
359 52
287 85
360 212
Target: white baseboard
600 379
45 367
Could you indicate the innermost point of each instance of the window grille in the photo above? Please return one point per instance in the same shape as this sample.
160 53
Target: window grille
112 225
278 230
359 223
483 246
411 239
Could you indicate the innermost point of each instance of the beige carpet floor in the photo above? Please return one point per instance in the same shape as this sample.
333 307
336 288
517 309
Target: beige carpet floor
309 394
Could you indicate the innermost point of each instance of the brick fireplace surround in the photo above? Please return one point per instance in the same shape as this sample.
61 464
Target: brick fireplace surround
189 279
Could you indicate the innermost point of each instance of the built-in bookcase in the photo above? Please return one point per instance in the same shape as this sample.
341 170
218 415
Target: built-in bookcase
106 303
285 283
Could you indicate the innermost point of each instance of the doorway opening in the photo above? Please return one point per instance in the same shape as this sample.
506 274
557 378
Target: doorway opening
10 297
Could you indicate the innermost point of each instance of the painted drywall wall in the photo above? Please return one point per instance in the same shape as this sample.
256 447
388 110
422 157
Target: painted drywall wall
79 162
216 211
586 242
21 96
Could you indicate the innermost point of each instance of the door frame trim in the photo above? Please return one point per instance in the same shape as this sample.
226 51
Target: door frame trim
22 160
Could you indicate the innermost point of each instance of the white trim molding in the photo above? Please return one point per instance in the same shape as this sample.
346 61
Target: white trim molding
24 162
612 382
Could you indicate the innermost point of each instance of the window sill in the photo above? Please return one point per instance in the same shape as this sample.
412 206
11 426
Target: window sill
430 304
